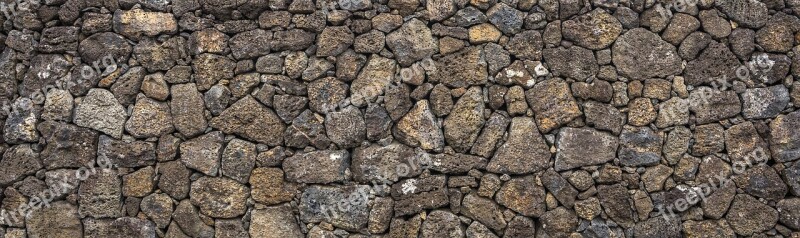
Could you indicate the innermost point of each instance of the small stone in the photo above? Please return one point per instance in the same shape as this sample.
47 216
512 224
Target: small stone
709 139
594 30
126 154
748 215
640 146
784 144
484 33
522 195
139 183
138 23
269 187
150 118
583 147
679 27
203 153
760 103
419 128
525 151
274 222
319 203
317 167
251 120
552 104
99 110
187 109
636 43
411 42
100 195
484 211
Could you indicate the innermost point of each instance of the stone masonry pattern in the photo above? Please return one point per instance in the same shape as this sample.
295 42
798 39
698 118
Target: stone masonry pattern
399 118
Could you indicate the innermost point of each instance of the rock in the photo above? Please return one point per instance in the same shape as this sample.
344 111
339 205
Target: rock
174 179
380 163
326 94
484 211
658 227
462 126
372 81
58 220
604 117
307 129
238 159
694 43
478 230
594 30
187 109
617 204
97 48
747 13
641 54
523 195
126 154
19 161
654 177
150 118
346 128
419 128
187 218
274 222
99 110
719 228
673 112
67 145
641 112
484 33
708 139
553 104
441 224
744 143
575 62
785 146
203 153
761 181
210 68
219 197
138 183
679 27
461 69
710 105
411 42
250 44
287 107
138 23
506 18
760 103
640 146
748 215
269 187
717 65
58 105
559 222
598 90
526 45
715 24
583 147
320 203
520 226
100 195
523 152
317 167
251 120
334 40
158 207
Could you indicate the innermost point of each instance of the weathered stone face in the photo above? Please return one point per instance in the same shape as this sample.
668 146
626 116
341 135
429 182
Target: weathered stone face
400 118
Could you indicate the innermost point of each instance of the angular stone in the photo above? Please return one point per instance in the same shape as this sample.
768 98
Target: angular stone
523 195
526 45
419 128
18 162
138 23
100 195
150 118
187 218
617 204
462 126
250 44
138 183
640 146
377 163
320 203
575 62
559 222
187 109
747 13
411 42
346 128
126 154
583 147
484 211
709 139
441 224
334 40
210 68
658 227
761 181
641 112
552 104
760 103
287 107
251 120
641 54
274 222
508 19
238 159
203 153
679 27
719 228
525 151
60 219
67 145
158 207
461 69
174 179
326 94
372 81
307 129
717 65
748 215
269 187
784 143
710 105
559 187
323 166
219 197
99 110
594 30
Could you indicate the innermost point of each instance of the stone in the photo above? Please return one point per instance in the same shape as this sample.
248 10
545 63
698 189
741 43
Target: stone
60 219
526 45
320 203
287 107
747 13
559 187
594 30
158 207
715 24
346 128
520 226
203 153
641 54
761 181
507 19
484 211
100 195
583 147
219 197
419 128
552 104
210 68
760 103
317 167
574 62
658 227
150 118
709 139
377 163
716 66
274 222
100 111
174 179
748 216
138 23
238 159
717 228
603 116
139 183
187 218
372 81
250 44
522 195
411 42
559 222
58 105
19 161
523 152
462 126
67 145
639 146
461 69
334 40
269 187
441 224
617 204
251 120
710 105
187 109
126 154
641 112
679 27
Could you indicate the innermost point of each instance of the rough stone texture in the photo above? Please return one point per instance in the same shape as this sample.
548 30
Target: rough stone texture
400 118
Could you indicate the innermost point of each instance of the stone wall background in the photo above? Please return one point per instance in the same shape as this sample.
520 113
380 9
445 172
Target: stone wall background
400 118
